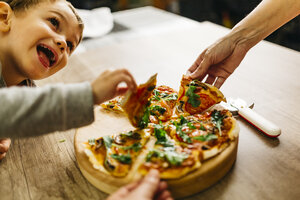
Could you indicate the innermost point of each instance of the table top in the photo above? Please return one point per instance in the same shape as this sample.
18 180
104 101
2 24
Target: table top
147 40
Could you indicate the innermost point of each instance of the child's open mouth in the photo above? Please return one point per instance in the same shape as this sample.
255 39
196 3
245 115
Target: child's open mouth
47 55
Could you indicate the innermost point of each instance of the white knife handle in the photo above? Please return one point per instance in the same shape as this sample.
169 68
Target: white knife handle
267 127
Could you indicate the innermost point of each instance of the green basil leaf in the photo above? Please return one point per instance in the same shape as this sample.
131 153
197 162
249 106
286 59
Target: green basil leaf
92 141
206 137
217 119
107 141
193 99
125 159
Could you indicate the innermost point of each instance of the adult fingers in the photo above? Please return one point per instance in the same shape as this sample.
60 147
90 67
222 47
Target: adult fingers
162 186
123 191
196 63
132 186
210 79
201 70
219 82
149 185
164 195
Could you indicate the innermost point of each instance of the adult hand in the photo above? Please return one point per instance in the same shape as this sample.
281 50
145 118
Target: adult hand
148 188
4 146
218 61
107 85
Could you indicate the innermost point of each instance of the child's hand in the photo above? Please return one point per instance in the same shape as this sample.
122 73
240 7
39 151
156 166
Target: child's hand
4 146
106 86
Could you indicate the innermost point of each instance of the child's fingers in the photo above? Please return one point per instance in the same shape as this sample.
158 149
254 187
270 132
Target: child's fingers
122 77
121 90
126 76
2 155
162 186
4 145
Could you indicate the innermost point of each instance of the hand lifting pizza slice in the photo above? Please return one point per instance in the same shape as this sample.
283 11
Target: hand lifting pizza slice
135 103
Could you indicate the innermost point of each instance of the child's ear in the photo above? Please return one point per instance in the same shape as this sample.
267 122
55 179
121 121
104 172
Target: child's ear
5 16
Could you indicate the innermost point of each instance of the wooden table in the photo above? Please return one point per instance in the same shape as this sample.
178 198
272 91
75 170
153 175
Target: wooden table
146 41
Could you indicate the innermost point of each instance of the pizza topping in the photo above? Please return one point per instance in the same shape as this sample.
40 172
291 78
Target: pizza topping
108 165
181 129
157 110
163 92
162 136
167 154
132 134
206 137
92 141
119 139
217 119
107 141
125 159
193 98
143 123
135 147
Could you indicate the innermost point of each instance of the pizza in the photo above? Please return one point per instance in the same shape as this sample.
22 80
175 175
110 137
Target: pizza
162 103
195 96
135 103
177 133
114 105
115 154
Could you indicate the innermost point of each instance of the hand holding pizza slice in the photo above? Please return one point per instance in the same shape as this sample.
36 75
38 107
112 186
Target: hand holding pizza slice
135 103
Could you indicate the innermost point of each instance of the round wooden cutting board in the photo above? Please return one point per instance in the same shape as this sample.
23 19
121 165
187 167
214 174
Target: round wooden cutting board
107 123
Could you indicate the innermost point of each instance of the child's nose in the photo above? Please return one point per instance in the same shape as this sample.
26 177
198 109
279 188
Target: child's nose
61 46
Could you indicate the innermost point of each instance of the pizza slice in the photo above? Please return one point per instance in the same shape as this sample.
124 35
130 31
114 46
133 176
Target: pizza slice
116 154
162 103
172 162
209 132
195 96
135 103
113 105
170 159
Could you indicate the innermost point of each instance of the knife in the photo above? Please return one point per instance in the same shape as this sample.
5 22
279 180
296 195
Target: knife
239 107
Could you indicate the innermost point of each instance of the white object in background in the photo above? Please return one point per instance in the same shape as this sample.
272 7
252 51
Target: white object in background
97 22
240 106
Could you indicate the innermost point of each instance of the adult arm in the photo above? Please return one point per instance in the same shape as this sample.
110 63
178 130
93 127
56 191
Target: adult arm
28 111
219 60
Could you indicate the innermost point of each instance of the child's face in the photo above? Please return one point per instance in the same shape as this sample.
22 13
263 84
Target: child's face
42 38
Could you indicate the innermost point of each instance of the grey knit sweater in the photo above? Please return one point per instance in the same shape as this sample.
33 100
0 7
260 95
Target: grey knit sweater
30 111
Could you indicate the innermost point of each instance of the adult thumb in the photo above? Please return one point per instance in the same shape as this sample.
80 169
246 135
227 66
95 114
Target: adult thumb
149 185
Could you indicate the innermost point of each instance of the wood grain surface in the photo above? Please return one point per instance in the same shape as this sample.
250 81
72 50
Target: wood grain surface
147 41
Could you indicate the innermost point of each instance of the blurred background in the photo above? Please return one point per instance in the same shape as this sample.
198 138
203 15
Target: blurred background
223 12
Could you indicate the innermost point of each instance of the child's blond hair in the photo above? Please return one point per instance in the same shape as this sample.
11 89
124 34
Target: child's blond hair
23 5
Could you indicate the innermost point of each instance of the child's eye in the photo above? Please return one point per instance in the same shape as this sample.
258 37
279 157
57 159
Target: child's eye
70 46
54 22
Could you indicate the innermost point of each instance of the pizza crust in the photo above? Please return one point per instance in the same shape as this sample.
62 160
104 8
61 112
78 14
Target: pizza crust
108 123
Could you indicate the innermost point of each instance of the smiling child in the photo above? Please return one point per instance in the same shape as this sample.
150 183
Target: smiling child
36 39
